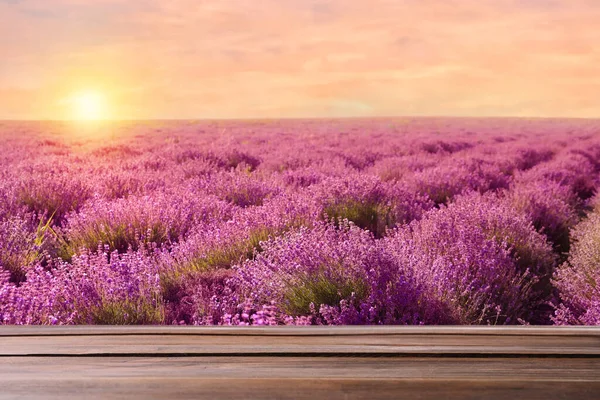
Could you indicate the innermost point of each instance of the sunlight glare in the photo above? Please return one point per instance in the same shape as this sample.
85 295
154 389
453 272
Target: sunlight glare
88 106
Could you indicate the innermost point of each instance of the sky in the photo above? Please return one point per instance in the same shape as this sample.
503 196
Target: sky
193 59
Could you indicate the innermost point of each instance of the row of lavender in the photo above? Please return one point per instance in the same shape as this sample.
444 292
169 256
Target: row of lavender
386 221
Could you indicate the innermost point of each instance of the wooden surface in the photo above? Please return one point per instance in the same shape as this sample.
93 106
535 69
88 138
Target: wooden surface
300 363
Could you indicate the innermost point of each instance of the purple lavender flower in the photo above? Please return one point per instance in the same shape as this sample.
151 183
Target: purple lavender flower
366 221
578 279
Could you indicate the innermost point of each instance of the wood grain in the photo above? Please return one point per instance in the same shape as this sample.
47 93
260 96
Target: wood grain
88 330
299 363
389 341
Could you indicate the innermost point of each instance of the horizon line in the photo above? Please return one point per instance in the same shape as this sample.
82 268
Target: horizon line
110 120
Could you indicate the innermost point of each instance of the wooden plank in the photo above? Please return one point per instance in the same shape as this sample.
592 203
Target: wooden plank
502 368
300 363
24 330
584 342
293 378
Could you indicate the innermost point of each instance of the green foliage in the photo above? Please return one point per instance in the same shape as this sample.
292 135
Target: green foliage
171 283
439 195
230 254
319 289
527 253
14 265
220 257
117 236
52 201
32 251
371 216
125 312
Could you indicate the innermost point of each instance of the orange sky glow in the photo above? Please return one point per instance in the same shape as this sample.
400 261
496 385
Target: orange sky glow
300 58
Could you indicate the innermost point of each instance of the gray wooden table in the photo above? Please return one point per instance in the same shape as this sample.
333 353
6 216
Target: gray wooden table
300 363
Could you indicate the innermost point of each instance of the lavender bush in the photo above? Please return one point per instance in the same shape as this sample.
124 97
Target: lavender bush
479 258
578 279
366 221
329 275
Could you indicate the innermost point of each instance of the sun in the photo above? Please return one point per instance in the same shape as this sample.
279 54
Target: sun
88 106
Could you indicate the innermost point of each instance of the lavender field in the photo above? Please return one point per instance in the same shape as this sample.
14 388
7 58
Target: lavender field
301 222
